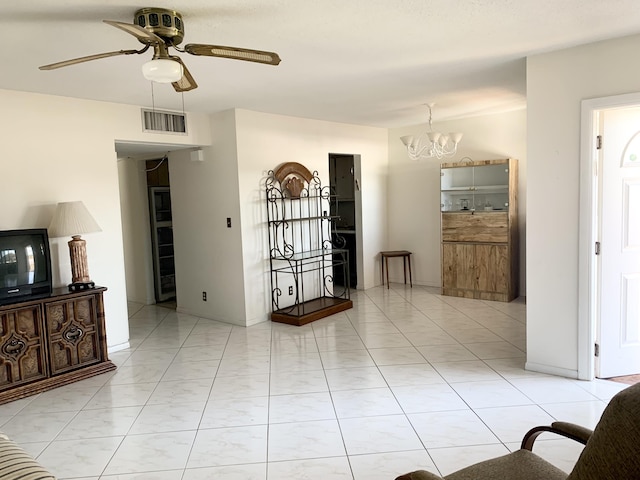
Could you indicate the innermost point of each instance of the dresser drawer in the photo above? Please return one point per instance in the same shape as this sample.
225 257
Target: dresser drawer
486 227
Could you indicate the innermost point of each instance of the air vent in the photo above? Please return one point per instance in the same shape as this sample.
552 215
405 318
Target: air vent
166 122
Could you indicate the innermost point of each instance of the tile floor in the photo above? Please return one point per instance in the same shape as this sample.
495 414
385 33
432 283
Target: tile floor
406 379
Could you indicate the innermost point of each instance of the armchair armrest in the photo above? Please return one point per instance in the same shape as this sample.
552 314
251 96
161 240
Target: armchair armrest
419 475
565 429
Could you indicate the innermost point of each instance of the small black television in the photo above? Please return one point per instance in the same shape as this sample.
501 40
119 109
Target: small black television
25 265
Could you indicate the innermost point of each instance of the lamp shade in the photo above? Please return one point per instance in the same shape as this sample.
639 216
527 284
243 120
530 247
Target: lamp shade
162 70
72 218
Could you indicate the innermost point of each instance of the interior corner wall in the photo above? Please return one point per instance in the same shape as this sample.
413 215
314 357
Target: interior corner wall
557 82
414 188
264 142
208 254
62 149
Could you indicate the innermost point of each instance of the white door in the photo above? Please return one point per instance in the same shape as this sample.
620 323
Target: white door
619 233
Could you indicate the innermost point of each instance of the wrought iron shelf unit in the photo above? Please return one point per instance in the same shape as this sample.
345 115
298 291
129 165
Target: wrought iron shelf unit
303 259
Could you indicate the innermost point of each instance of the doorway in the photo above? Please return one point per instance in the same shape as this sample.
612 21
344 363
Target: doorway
345 184
161 228
609 273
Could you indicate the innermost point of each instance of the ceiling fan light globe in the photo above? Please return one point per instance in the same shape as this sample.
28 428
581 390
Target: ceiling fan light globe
162 70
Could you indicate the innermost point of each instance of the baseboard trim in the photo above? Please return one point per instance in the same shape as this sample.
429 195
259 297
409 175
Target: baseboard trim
117 348
548 369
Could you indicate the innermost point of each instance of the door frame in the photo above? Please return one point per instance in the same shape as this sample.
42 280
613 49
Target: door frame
588 226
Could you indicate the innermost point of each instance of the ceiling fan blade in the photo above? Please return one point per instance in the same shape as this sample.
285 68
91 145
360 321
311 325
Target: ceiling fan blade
141 33
88 58
234 53
187 82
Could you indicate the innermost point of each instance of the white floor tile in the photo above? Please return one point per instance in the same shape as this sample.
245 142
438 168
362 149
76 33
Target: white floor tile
165 475
451 429
37 427
552 390
301 407
402 375
365 403
165 418
396 355
354 378
335 468
586 414
385 466
495 393
510 424
500 349
255 471
428 398
346 358
240 386
389 433
235 412
229 446
151 452
449 460
79 458
283 383
304 440
466 371
108 422
181 392
446 353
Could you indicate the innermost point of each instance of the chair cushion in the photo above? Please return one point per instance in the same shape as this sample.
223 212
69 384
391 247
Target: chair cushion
16 464
520 465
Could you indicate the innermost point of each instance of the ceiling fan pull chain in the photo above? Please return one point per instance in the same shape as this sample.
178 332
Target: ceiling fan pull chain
153 101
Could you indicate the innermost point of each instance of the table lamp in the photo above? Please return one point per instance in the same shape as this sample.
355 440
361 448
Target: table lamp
73 219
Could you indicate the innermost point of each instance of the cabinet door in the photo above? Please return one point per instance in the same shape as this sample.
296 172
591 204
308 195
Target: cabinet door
458 272
493 268
73 333
22 346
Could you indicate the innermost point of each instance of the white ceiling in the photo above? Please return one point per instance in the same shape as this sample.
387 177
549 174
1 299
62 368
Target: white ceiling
367 62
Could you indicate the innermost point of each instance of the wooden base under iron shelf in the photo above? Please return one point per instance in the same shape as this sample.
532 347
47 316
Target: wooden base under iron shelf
312 310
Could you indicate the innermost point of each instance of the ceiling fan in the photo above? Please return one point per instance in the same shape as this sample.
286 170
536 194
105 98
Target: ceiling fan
161 29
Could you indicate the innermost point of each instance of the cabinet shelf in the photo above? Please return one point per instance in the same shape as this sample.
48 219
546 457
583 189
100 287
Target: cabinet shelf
307 255
303 219
162 242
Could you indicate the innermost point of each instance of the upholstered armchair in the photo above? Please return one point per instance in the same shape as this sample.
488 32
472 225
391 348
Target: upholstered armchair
611 452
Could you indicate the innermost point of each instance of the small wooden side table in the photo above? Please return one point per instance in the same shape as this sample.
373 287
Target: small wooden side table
406 259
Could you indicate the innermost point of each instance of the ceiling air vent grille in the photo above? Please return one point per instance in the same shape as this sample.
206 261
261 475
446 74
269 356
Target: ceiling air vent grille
166 122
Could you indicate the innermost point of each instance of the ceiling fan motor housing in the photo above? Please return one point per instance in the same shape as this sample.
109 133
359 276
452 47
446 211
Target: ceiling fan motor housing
165 23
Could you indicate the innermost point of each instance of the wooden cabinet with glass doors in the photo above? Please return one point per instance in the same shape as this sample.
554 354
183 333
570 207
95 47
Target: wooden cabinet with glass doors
479 223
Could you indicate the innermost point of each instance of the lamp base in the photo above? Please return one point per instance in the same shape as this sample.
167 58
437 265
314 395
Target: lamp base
80 286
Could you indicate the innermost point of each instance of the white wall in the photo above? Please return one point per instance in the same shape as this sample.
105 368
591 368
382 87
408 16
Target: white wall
557 82
414 188
134 209
264 142
59 149
208 255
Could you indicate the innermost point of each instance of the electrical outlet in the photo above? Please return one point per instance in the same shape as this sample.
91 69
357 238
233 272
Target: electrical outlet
290 290
204 296
228 222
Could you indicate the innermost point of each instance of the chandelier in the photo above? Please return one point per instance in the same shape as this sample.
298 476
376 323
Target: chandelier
431 144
